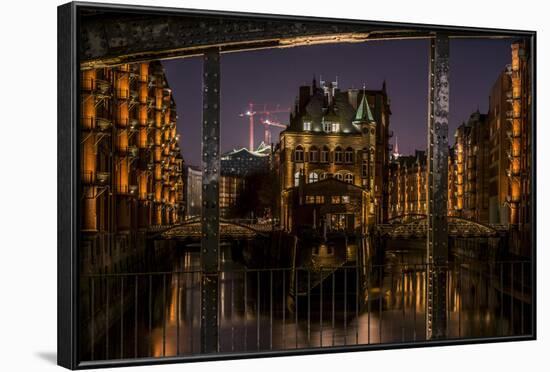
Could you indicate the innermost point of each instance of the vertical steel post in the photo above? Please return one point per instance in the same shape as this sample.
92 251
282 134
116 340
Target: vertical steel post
210 200
438 154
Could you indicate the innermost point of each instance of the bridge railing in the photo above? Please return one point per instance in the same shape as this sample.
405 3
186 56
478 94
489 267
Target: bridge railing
158 314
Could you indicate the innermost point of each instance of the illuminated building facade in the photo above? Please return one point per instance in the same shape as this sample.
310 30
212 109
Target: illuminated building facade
193 198
499 144
131 165
338 136
238 169
520 137
471 157
231 188
407 185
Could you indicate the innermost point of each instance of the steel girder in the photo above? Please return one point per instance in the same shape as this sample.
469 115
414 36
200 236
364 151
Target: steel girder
210 200
438 154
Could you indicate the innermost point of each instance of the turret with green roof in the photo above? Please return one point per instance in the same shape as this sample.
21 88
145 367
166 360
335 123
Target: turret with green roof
363 113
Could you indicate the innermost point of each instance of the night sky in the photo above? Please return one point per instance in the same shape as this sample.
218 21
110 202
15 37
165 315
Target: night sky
273 76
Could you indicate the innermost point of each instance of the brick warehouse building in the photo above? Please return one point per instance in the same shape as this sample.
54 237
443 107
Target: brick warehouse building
339 138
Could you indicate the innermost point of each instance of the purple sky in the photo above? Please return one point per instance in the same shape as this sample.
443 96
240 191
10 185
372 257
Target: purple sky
273 76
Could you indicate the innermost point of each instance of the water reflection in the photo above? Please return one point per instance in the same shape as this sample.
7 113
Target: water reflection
257 312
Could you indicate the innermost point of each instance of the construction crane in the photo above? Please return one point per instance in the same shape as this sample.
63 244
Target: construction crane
270 123
262 109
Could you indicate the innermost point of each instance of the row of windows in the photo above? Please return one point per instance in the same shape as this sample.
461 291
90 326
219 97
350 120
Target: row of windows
316 155
328 126
316 176
320 199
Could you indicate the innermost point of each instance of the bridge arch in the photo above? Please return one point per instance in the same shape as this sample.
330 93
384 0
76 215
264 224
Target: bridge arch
192 229
415 226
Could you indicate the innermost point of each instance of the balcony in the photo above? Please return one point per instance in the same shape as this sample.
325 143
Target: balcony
103 124
103 86
133 151
134 94
102 178
133 124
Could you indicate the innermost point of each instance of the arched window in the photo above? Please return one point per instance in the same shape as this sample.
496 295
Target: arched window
324 176
297 179
348 156
324 154
299 154
313 154
348 178
338 155
339 176
313 177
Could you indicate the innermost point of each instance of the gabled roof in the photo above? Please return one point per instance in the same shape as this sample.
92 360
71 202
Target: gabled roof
363 111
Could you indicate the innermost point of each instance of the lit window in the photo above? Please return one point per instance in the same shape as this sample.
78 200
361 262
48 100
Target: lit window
320 199
339 176
345 199
307 125
299 154
313 177
296 178
327 126
313 154
324 175
338 155
335 127
324 155
336 199
310 199
348 178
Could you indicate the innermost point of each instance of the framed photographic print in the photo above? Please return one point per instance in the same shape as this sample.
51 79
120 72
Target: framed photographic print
237 185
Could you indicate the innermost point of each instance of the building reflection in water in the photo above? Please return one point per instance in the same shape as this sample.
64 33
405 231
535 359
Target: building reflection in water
252 316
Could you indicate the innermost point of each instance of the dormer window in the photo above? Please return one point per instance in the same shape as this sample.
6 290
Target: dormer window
331 127
307 126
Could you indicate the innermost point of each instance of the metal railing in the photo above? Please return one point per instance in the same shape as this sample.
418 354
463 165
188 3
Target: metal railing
158 314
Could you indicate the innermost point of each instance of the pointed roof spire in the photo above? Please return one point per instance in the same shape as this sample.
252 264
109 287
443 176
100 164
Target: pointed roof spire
363 110
384 86
314 82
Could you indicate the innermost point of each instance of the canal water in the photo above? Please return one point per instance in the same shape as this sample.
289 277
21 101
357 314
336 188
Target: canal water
159 314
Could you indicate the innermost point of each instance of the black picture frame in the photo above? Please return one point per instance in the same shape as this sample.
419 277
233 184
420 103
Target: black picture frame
68 184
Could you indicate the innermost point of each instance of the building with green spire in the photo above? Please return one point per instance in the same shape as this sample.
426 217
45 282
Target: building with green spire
336 145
